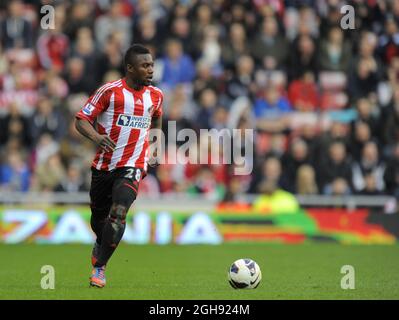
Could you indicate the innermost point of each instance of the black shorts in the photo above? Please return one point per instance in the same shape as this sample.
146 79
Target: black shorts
119 186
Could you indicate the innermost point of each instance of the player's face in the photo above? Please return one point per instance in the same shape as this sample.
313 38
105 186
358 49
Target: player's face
143 69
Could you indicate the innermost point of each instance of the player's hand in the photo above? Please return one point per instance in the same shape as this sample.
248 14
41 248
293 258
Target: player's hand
105 143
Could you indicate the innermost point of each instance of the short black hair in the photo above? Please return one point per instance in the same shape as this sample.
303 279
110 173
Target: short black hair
133 51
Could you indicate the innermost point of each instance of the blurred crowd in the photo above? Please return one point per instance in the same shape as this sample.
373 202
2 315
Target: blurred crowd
323 101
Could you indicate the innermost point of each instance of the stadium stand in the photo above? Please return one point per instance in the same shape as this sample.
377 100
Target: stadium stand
324 102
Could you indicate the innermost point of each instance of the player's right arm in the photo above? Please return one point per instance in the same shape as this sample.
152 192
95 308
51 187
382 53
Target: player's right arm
86 129
84 119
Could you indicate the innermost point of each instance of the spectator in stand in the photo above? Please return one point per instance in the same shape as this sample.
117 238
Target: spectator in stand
204 183
219 118
274 200
177 66
46 147
303 94
297 156
361 134
73 181
306 181
367 113
393 8
277 145
4 65
113 21
85 50
180 30
15 30
53 45
370 186
303 57
367 51
389 41
338 187
269 48
165 179
271 104
243 81
110 58
234 46
391 174
301 21
335 52
271 170
234 191
146 32
47 119
176 114
390 125
393 77
338 131
330 16
79 81
14 173
54 87
271 109
202 19
15 125
208 101
369 163
50 174
204 79
210 48
80 16
237 12
363 79
309 134
337 165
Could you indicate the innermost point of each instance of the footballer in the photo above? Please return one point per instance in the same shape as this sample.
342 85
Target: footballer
118 118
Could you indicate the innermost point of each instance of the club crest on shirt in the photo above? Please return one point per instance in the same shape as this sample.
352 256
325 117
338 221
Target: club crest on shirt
136 122
88 109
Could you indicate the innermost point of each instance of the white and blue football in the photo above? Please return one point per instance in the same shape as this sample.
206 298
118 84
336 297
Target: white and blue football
244 274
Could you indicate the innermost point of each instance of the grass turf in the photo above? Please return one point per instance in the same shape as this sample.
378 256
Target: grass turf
310 271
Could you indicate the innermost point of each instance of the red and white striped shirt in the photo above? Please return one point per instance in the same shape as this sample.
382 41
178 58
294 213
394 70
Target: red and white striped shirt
125 116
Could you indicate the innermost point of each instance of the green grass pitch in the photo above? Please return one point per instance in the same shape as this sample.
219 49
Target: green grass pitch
309 271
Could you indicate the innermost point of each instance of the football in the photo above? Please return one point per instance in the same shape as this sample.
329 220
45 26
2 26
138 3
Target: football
244 274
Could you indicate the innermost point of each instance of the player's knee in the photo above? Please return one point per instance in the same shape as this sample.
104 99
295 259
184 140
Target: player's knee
118 213
124 194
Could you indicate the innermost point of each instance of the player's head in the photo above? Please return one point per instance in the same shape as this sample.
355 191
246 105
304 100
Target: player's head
139 64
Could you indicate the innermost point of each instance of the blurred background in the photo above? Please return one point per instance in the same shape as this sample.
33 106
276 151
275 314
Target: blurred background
323 101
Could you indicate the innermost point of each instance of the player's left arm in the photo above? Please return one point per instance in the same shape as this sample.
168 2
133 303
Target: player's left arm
156 127
156 145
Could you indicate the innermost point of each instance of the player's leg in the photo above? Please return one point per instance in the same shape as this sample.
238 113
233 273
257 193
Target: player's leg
97 222
100 205
124 192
